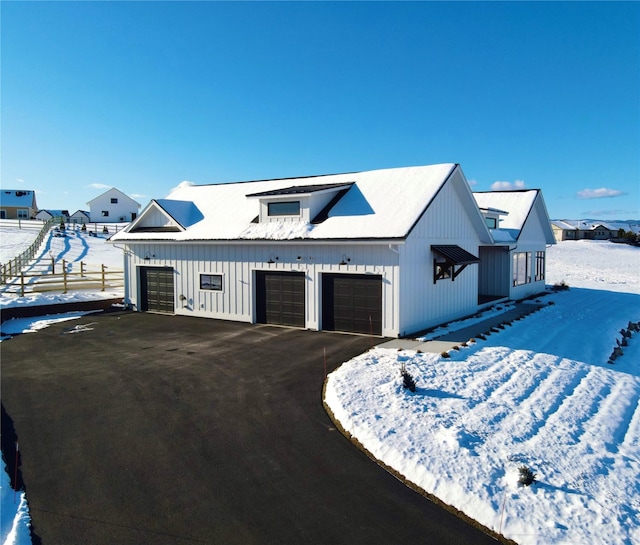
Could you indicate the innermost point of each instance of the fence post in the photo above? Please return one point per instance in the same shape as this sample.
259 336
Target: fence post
103 275
53 265
21 284
64 277
81 269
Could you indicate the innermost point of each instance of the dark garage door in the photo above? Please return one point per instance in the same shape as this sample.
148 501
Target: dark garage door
157 289
352 303
280 298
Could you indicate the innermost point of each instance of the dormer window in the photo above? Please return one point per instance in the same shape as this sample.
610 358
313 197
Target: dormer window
492 217
285 208
299 203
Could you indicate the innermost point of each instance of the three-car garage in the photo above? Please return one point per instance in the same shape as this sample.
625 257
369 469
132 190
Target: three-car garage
348 302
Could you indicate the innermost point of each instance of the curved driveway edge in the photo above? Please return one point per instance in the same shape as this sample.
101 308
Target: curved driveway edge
450 508
146 428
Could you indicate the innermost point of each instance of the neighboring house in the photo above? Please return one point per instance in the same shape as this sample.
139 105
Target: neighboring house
80 216
386 252
46 215
582 230
113 206
18 204
563 230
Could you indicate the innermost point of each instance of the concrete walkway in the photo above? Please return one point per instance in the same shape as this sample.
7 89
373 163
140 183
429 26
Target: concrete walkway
446 341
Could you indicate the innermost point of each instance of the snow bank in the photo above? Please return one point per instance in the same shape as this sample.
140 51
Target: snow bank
539 394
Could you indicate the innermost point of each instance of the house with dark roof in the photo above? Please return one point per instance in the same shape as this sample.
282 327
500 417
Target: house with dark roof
80 216
385 252
18 204
46 215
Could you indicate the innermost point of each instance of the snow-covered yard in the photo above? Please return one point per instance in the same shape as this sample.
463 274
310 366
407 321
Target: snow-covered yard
77 246
540 394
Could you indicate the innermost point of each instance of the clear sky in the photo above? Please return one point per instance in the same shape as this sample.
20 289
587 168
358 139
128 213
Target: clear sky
141 96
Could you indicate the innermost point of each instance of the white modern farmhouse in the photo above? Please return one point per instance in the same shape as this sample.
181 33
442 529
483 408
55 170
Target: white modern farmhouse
385 252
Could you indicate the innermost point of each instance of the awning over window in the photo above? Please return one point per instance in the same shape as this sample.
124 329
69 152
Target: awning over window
455 255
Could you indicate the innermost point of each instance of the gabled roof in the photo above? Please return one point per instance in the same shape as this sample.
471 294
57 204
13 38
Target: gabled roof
18 197
584 225
519 205
114 191
378 204
54 213
81 213
564 225
171 216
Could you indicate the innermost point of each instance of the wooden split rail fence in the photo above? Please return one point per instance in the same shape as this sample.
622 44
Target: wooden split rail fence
23 275
67 279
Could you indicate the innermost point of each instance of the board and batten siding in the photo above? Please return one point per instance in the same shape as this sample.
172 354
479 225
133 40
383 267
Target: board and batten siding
237 263
424 304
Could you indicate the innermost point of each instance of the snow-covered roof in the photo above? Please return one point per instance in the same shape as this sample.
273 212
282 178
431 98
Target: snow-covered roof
378 204
564 225
54 213
113 191
517 205
17 197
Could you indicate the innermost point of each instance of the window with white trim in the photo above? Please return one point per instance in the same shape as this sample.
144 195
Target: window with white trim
283 208
211 282
540 257
521 268
105 213
23 214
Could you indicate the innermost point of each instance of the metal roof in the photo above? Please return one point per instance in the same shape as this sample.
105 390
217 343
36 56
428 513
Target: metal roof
454 254
299 190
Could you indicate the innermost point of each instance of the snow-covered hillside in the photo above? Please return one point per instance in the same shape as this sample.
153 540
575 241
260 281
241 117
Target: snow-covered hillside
539 394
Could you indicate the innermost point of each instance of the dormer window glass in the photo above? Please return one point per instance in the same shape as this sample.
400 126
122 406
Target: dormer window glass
492 223
283 208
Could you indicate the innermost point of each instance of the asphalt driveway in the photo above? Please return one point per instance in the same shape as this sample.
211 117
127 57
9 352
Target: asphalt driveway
157 429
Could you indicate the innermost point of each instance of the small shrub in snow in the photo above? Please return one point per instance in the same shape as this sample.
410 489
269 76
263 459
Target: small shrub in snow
560 286
445 354
408 382
527 477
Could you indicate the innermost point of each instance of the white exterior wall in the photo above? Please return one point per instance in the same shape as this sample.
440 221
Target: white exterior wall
424 304
124 208
238 264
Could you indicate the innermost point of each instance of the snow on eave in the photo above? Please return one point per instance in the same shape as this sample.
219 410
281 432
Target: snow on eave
518 204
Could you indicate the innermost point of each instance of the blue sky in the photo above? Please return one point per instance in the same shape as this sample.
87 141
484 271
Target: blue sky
141 96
